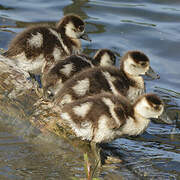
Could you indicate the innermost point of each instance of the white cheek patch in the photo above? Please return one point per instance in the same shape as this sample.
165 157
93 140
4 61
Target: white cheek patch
146 110
36 40
81 87
128 66
135 70
141 107
69 30
83 109
106 60
68 68
56 54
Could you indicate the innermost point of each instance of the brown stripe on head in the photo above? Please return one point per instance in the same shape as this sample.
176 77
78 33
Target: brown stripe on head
138 56
76 20
154 100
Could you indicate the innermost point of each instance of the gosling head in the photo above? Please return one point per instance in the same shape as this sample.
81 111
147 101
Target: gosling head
135 63
73 27
149 106
104 57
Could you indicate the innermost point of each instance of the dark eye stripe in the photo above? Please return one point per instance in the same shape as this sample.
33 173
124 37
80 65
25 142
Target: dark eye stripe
143 63
81 28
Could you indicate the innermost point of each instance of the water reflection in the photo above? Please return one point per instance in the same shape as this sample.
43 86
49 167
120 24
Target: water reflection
139 23
5 8
77 7
119 25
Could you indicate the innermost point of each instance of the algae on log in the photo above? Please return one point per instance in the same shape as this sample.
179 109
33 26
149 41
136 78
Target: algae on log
18 100
17 95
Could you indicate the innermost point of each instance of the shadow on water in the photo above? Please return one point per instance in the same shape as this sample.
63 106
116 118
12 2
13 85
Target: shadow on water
25 152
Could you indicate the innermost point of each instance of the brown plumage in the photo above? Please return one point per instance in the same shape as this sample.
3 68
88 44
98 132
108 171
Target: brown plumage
126 80
104 117
44 43
66 68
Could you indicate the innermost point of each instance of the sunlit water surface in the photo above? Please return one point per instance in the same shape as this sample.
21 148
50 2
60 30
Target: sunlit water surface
150 26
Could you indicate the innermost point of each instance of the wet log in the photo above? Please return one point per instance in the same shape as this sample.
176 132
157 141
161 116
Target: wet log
19 99
19 102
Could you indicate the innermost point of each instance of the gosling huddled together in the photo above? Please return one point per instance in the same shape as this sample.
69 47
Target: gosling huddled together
98 101
55 76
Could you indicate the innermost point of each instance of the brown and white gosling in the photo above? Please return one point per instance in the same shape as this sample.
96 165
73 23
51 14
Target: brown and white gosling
125 81
37 44
54 78
105 117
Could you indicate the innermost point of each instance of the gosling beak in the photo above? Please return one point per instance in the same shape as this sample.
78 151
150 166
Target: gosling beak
165 118
151 73
85 37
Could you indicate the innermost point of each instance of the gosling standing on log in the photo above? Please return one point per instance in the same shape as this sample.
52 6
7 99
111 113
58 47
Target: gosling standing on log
125 81
105 117
54 78
39 44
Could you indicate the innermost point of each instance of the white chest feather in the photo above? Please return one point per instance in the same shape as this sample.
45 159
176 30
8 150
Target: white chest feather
56 54
103 133
133 127
135 91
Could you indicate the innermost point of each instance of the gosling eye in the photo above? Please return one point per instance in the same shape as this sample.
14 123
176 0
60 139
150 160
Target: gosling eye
156 107
143 64
133 65
81 28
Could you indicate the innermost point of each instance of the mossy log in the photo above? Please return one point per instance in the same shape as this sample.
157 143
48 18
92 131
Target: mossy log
18 100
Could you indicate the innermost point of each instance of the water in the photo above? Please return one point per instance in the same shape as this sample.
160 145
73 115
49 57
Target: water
150 26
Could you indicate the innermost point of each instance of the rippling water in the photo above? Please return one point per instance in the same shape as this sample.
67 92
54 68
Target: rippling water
152 27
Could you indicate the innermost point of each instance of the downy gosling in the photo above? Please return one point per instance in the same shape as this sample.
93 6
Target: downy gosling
39 44
125 81
54 77
104 117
